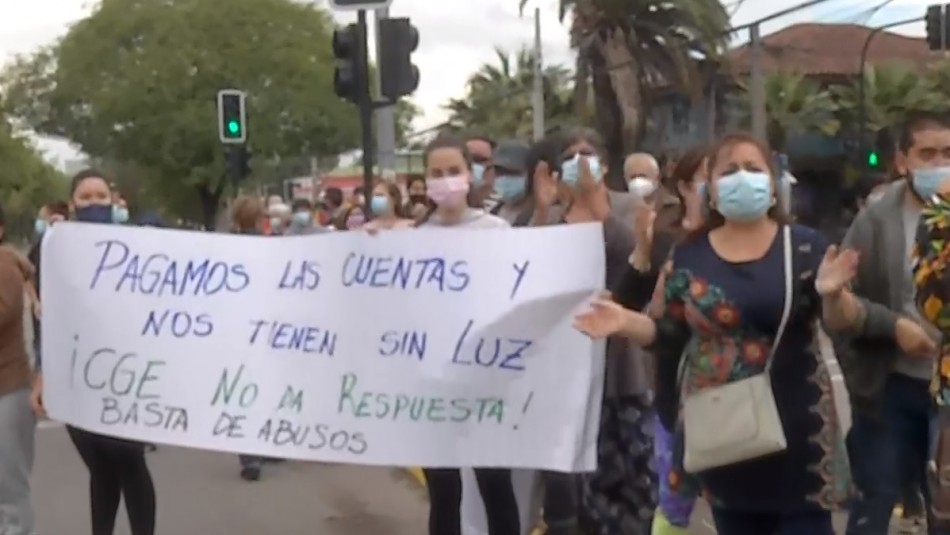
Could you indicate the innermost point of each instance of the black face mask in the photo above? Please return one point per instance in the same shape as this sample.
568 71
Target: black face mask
95 213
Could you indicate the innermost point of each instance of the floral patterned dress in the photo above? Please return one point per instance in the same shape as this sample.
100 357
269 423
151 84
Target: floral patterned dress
932 281
722 317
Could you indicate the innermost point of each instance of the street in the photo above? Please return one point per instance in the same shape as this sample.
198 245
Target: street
200 492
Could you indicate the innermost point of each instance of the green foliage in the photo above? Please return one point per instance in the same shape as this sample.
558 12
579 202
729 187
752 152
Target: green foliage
889 93
136 82
26 182
793 104
498 101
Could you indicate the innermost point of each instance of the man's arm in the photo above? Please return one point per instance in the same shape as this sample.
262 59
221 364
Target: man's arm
879 320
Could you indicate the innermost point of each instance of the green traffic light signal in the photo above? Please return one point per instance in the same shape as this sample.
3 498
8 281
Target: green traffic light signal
234 128
873 159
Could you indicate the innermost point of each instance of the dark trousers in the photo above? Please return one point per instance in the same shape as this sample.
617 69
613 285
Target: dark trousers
445 500
888 452
742 523
560 502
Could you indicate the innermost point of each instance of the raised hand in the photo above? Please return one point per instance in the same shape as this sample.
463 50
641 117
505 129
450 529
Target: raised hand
836 271
545 186
605 318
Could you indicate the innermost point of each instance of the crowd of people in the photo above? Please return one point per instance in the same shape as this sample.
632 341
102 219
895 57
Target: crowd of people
713 388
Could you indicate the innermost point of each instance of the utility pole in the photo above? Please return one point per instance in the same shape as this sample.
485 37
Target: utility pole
757 85
537 96
385 115
756 75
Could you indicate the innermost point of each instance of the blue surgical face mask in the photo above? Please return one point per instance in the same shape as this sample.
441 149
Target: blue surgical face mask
478 174
926 180
120 214
571 172
380 205
39 226
302 218
95 213
509 187
744 195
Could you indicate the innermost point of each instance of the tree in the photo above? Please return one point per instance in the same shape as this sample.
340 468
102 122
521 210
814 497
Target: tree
136 82
26 181
626 48
793 105
889 93
498 102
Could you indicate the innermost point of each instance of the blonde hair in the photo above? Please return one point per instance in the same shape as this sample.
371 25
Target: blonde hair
246 213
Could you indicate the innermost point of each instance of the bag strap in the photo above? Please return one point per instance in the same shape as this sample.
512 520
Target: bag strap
788 268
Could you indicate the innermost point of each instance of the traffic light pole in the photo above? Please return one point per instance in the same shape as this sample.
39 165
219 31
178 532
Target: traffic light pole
367 106
862 107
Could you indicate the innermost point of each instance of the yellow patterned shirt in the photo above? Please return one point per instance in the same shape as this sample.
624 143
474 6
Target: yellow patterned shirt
932 282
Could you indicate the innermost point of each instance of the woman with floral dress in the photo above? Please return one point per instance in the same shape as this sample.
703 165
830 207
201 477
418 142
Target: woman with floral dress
724 295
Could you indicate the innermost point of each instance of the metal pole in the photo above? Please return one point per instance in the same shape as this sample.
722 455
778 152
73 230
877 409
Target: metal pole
537 97
385 116
757 85
862 106
366 112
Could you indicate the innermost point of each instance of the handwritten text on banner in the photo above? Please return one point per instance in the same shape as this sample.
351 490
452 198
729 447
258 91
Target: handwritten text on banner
422 347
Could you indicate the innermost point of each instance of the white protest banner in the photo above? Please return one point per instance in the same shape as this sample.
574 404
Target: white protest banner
428 347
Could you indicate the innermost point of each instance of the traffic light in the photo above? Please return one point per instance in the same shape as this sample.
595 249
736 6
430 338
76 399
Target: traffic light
238 160
874 159
398 39
232 117
346 50
938 32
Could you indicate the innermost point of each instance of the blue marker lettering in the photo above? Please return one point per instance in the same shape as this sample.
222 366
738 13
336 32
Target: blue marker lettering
287 336
180 324
157 274
519 276
507 353
409 343
405 273
303 275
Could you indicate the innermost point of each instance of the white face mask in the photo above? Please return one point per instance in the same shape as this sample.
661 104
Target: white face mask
641 187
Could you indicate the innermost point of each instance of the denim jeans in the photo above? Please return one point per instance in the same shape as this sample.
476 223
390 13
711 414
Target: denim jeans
17 425
880 450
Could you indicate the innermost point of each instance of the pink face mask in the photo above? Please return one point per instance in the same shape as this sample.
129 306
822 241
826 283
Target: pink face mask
449 191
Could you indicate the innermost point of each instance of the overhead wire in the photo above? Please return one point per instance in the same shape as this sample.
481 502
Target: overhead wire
500 97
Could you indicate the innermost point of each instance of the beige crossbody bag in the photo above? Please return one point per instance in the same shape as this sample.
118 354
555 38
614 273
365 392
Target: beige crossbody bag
738 421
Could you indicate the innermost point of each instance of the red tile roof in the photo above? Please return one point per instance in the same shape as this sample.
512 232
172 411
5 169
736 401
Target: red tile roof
817 49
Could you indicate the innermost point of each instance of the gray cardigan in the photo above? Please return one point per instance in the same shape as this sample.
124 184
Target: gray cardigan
868 356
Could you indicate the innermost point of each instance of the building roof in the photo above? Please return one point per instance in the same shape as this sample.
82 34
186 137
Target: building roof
830 49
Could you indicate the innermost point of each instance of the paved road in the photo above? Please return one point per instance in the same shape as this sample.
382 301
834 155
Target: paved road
200 493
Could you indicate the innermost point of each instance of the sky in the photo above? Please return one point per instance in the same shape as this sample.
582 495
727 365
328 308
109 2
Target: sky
455 39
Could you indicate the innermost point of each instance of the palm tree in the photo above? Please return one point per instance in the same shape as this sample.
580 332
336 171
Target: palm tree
625 48
793 105
498 102
889 93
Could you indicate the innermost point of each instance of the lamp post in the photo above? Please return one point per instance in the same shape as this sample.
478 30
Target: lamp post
862 111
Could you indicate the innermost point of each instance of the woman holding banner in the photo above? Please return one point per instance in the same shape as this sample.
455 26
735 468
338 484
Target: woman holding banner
448 185
117 467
